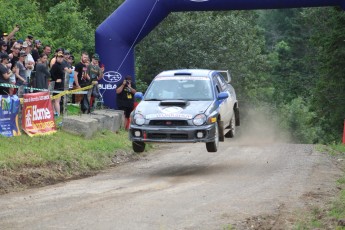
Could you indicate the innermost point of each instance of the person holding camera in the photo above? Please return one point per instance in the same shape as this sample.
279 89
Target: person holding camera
125 98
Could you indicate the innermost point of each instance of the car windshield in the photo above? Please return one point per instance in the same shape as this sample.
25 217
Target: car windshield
180 88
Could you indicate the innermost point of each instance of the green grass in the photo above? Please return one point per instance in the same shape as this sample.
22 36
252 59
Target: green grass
61 148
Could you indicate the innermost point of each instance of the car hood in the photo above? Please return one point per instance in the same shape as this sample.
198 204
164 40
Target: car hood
172 109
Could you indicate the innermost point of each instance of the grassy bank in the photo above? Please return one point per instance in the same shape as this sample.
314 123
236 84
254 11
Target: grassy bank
42 160
71 151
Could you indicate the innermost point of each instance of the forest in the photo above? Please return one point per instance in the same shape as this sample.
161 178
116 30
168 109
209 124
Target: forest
288 63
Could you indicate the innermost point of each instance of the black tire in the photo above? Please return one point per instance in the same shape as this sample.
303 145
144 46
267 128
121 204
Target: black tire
231 133
221 131
213 146
138 146
237 113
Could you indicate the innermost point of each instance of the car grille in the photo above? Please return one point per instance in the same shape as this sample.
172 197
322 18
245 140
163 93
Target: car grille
175 136
168 122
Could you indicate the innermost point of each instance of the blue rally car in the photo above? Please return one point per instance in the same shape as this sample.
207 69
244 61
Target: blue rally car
186 106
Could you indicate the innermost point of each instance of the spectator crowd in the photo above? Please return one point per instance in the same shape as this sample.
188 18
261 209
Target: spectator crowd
30 63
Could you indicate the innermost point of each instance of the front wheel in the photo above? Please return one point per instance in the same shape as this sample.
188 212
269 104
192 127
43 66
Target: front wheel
213 146
138 146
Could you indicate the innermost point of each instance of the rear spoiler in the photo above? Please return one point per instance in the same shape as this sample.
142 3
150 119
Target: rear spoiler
226 74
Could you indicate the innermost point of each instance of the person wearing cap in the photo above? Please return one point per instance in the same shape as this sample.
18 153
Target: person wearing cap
8 37
21 70
96 73
66 65
3 47
5 74
5 36
57 74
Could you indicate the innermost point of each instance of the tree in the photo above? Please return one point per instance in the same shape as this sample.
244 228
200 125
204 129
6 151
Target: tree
328 98
68 27
23 13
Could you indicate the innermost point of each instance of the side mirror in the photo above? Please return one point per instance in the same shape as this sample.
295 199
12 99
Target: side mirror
222 96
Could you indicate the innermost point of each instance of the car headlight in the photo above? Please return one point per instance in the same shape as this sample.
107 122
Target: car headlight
199 119
139 119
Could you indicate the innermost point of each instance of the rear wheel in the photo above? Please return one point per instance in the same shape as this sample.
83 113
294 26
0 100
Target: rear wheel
138 146
213 146
232 131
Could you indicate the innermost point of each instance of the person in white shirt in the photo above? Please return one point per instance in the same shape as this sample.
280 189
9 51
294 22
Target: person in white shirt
29 60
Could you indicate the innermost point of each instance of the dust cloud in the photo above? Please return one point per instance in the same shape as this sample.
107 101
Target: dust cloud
259 126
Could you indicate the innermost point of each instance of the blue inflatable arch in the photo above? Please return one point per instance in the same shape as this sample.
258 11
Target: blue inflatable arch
117 36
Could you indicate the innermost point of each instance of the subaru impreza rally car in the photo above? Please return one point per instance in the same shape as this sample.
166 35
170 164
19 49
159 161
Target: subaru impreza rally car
185 106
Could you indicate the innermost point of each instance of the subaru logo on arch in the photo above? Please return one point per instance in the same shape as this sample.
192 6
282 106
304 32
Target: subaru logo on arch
112 76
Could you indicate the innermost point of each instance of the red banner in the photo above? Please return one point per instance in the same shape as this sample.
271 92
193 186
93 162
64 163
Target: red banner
37 114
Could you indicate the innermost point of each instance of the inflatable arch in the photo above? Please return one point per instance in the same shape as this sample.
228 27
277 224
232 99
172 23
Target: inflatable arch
117 36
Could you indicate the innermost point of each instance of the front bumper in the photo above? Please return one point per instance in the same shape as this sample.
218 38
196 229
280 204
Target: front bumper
176 134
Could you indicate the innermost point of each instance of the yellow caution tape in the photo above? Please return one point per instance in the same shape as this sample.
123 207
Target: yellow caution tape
71 91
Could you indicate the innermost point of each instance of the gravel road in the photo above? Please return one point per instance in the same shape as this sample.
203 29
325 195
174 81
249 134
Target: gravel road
184 187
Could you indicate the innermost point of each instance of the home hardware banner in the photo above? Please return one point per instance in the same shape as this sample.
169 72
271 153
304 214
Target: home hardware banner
38 115
9 121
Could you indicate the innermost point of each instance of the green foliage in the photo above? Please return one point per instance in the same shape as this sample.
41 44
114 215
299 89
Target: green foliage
214 40
141 85
306 52
329 93
23 13
297 118
68 27
100 10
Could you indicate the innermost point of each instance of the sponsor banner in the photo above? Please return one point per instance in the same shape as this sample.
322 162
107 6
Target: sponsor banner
37 114
9 120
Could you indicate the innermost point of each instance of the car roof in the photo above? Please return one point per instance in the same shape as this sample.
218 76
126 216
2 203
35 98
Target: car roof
188 72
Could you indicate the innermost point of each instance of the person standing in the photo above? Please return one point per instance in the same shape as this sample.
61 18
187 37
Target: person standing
29 60
21 70
125 98
12 79
96 73
42 73
5 74
81 78
14 56
57 74
71 75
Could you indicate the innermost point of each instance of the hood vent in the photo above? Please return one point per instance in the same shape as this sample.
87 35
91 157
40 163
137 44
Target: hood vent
173 102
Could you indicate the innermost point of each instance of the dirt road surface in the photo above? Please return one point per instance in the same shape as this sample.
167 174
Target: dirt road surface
184 187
